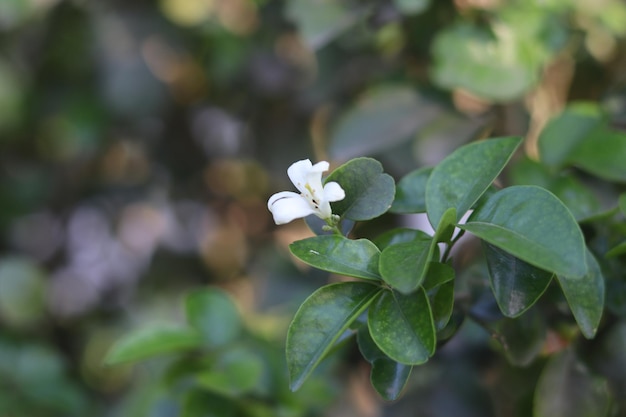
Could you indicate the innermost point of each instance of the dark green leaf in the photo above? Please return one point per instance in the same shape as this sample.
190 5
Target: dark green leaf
622 203
586 297
461 178
516 284
369 191
565 132
387 376
214 315
402 326
383 117
404 265
337 254
411 192
532 224
399 235
442 302
617 250
320 321
152 340
438 274
567 389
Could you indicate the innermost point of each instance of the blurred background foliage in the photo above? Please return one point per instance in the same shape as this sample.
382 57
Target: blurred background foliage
140 141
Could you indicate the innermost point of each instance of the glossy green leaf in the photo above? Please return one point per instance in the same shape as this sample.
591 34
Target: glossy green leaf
522 338
320 321
387 376
438 274
337 254
442 303
237 371
495 64
532 224
369 191
565 132
586 297
402 326
384 116
516 284
214 315
411 192
566 388
461 178
152 340
404 265
399 235
622 203
602 154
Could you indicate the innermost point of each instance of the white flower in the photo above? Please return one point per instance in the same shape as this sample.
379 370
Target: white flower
314 198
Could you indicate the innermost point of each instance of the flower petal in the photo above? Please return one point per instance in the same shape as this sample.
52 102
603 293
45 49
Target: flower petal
298 173
333 191
287 206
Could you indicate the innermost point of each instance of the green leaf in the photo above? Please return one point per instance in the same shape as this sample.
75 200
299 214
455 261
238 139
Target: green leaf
404 265
214 315
495 64
383 117
567 389
532 224
565 132
578 198
442 303
236 372
155 339
320 321
411 192
516 284
337 254
369 191
399 235
438 274
603 154
586 297
461 178
402 326
387 376
617 250
522 338
622 203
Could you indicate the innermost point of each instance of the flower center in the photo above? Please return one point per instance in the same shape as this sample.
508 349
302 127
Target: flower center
311 197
